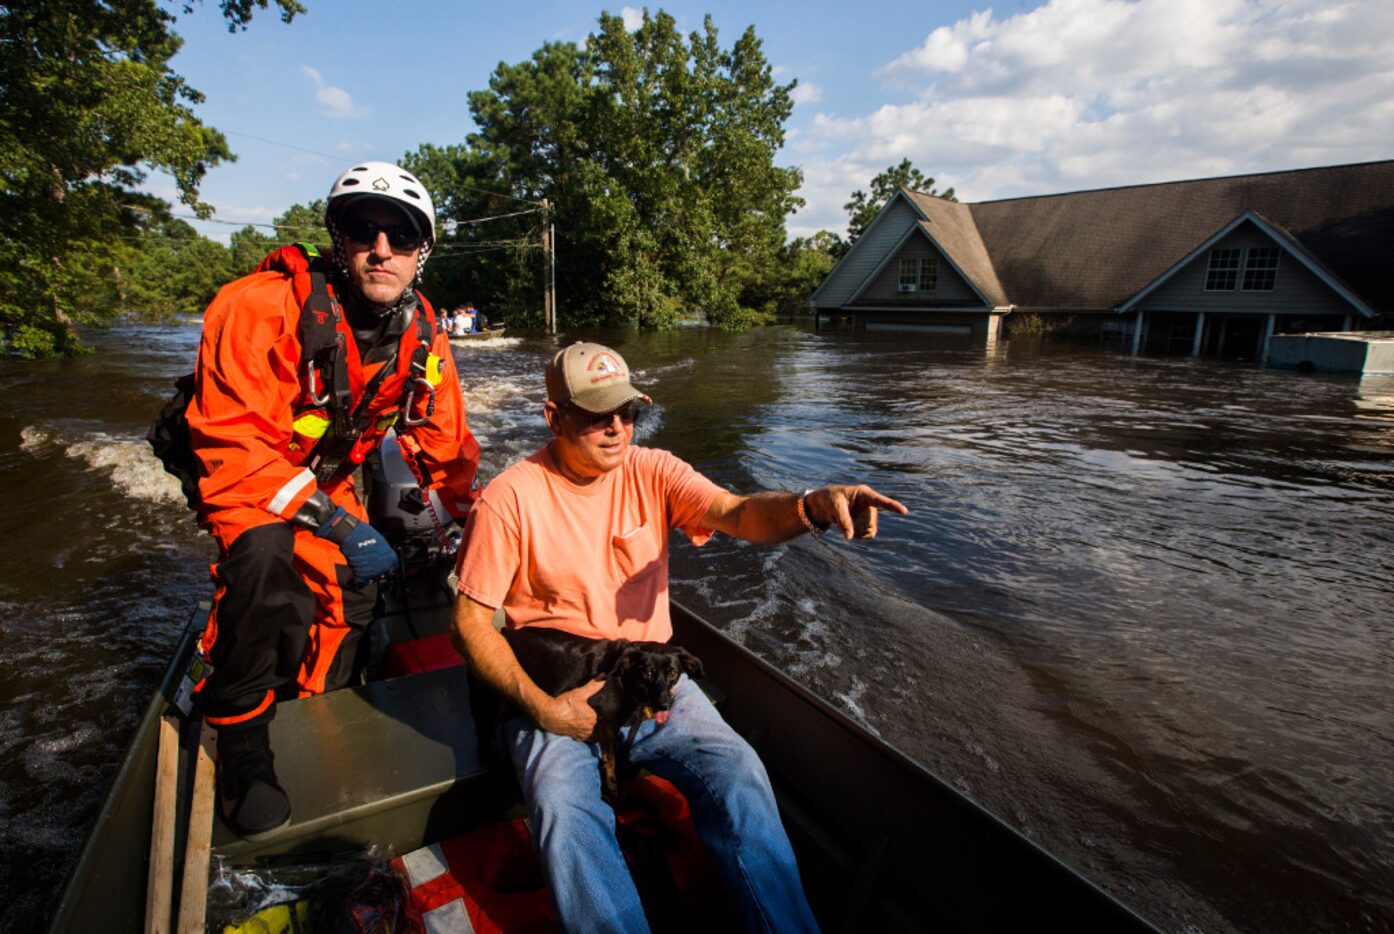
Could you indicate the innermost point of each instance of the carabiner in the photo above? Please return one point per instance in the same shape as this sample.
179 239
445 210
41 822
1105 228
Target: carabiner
312 384
407 419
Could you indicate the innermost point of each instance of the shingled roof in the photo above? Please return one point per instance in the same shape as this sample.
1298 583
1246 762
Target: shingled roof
1093 250
950 225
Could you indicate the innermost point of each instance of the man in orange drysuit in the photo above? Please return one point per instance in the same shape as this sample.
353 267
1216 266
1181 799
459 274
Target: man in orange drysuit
303 366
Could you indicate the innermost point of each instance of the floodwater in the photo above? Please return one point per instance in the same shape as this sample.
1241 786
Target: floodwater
1141 609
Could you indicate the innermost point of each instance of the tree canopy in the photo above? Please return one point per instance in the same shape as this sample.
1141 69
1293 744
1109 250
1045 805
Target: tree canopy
656 153
88 102
863 208
652 152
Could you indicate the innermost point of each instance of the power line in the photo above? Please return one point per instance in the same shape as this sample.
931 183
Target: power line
315 152
215 220
442 248
262 139
447 223
492 217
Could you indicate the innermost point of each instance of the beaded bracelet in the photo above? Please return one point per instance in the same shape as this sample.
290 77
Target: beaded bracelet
803 514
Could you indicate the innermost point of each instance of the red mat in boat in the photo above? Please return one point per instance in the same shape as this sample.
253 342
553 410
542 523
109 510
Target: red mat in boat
425 654
489 879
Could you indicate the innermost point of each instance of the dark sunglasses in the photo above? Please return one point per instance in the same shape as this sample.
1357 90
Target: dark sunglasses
403 238
595 422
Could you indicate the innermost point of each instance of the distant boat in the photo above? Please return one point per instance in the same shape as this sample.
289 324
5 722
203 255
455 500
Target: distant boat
479 335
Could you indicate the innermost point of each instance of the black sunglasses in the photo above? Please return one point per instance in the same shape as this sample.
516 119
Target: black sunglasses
403 238
596 421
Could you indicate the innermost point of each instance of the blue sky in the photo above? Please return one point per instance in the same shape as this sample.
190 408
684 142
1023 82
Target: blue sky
1016 98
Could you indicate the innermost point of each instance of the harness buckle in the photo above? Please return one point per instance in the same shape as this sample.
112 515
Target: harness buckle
407 406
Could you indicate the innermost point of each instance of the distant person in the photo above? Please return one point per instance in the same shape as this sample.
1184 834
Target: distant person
575 538
303 366
462 322
472 314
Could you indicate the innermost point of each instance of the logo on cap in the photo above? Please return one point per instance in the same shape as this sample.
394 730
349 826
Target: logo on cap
602 367
380 184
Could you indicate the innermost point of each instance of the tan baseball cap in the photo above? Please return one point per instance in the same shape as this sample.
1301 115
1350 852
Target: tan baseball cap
592 377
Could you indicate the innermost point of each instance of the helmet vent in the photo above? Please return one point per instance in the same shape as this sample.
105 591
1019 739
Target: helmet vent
349 182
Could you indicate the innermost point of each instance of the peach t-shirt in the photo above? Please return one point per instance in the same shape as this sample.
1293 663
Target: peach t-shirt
591 560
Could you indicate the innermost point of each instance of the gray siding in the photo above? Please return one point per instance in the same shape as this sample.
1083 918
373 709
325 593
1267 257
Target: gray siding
951 287
871 247
1297 291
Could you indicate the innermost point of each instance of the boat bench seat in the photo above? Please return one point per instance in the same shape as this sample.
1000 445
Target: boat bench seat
396 761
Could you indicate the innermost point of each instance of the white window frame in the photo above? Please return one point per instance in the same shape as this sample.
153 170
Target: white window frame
917 274
1269 273
929 273
1213 270
909 274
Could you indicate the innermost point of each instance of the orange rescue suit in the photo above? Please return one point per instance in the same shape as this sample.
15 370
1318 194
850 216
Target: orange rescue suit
253 421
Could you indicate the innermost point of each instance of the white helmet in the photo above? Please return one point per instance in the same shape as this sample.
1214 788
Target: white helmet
383 180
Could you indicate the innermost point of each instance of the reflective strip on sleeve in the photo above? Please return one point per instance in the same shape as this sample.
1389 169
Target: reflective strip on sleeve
288 492
450 918
424 864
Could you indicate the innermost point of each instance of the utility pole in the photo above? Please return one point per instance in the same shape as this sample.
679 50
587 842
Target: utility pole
549 270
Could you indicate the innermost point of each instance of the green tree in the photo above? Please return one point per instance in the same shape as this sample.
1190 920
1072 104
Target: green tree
247 247
87 100
302 223
172 270
782 289
863 208
657 153
487 239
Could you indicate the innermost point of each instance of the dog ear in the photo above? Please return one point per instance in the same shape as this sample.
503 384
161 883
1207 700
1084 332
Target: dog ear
629 656
690 664
613 661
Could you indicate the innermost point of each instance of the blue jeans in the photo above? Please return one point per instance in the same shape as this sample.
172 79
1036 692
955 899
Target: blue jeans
733 810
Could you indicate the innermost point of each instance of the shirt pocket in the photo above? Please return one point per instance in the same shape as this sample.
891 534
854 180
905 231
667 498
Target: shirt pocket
636 553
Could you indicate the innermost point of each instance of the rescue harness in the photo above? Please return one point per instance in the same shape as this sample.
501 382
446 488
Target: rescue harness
325 387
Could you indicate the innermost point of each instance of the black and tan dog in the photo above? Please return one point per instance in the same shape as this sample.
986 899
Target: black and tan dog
639 680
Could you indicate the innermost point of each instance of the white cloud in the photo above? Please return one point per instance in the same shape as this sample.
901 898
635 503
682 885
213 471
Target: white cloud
806 92
334 101
1077 94
633 18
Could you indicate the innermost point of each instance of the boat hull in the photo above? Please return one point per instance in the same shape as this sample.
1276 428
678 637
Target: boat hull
883 844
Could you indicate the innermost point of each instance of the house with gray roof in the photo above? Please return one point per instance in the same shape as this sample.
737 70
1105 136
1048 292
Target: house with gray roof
1212 266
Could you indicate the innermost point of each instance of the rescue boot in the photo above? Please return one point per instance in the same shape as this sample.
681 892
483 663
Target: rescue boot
250 797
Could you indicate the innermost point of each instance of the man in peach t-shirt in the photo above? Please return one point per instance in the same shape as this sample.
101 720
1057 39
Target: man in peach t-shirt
575 537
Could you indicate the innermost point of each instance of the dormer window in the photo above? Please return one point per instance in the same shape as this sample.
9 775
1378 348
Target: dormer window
909 275
1253 269
918 274
1261 269
1223 274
